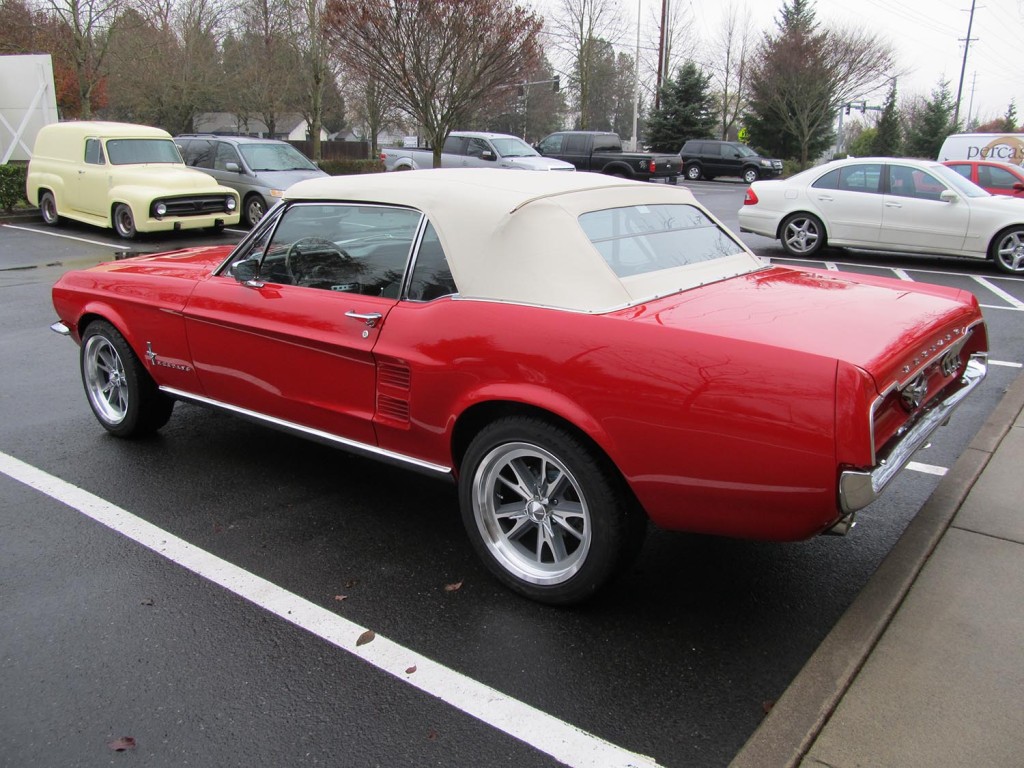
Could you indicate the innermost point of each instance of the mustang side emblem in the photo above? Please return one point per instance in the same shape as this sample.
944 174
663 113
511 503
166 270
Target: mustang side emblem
155 360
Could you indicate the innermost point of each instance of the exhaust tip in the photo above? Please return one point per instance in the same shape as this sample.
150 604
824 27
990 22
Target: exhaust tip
843 526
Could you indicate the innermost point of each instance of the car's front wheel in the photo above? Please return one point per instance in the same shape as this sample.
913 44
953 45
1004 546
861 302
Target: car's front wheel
802 234
253 210
693 172
1007 250
124 221
48 208
750 175
121 393
546 513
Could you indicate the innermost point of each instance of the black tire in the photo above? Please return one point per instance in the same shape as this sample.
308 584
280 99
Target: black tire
124 221
750 175
802 235
48 208
692 172
253 209
1007 250
122 395
570 535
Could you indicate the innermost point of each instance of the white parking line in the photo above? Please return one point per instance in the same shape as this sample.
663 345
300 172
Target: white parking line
1005 364
1008 298
928 469
564 742
58 234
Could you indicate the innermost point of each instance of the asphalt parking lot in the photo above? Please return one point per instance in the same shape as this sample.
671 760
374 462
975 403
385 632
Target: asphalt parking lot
226 595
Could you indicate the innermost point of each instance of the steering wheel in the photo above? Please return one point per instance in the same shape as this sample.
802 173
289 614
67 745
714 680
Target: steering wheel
307 246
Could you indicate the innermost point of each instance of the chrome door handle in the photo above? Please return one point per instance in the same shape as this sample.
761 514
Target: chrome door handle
370 318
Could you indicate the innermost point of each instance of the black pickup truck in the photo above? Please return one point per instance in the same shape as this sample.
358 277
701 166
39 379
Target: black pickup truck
601 152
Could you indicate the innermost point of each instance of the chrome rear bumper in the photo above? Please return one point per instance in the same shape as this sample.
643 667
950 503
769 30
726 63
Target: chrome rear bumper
857 488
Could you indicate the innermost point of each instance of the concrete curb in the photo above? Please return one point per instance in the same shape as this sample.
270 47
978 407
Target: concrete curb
790 729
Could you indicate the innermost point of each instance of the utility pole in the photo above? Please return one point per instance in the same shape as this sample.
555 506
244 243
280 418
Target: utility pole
636 80
963 67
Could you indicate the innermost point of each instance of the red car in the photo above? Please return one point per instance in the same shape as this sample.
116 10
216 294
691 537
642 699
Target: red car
580 354
994 177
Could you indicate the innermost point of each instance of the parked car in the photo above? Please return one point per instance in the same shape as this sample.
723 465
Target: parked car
1001 147
994 177
885 204
708 159
260 170
129 177
602 152
474 149
580 354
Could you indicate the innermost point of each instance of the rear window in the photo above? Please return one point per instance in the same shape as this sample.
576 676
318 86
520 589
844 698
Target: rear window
648 238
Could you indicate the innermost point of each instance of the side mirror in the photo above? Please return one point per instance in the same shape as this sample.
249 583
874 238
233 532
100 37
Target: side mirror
233 167
1018 186
488 155
948 196
245 270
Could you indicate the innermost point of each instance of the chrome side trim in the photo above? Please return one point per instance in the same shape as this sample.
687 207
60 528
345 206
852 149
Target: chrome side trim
372 451
60 328
858 488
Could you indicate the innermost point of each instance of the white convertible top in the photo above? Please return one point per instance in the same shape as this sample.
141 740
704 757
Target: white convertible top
514 235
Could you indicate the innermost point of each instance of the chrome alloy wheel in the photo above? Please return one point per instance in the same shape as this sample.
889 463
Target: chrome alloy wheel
1010 251
801 235
531 513
105 380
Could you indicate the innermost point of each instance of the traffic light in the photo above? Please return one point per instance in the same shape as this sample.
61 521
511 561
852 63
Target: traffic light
556 85
847 109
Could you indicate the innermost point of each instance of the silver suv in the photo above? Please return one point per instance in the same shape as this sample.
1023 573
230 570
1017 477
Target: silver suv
260 170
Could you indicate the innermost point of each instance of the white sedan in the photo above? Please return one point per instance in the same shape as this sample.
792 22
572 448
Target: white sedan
887 204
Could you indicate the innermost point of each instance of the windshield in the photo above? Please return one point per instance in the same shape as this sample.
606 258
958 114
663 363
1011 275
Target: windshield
275 157
956 181
745 151
138 151
648 238
513 147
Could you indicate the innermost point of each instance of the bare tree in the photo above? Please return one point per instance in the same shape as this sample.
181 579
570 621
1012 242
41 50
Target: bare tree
580 31
439 59
728 64
306 20
372 110
85 41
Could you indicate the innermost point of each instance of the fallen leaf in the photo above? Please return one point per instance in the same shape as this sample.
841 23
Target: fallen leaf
767 705
410 670
120 745
432 734
351 583
366 637
339 598
453 587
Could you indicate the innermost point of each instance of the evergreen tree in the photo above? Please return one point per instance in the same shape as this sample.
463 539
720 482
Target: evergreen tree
930 124
887 139
686 111
1010 119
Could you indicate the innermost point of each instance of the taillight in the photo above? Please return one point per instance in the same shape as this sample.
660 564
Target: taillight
750 198
653 167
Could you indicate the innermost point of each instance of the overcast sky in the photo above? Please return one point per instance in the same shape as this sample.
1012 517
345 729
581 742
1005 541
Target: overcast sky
927 36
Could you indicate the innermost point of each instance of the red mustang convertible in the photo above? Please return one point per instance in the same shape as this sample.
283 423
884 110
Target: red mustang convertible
581 354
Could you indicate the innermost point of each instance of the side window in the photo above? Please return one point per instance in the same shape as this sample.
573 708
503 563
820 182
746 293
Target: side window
94 152
910 182
552 145
199 153
963 170
225 154
607 144
431 276
574 144
476 147
996 178
337 247
454 145
829 181
860 178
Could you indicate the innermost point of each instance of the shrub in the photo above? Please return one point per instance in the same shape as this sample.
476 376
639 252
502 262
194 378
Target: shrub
12 186
350 167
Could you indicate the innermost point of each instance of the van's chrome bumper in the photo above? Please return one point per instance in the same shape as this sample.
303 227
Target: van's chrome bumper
857 488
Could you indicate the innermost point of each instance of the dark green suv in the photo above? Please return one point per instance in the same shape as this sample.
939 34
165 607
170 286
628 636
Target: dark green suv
707 158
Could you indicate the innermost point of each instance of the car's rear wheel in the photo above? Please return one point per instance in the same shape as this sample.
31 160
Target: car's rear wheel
750 175
802 234
48 208
122 395
546 513
253 210
1007 250
124 222
693 172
